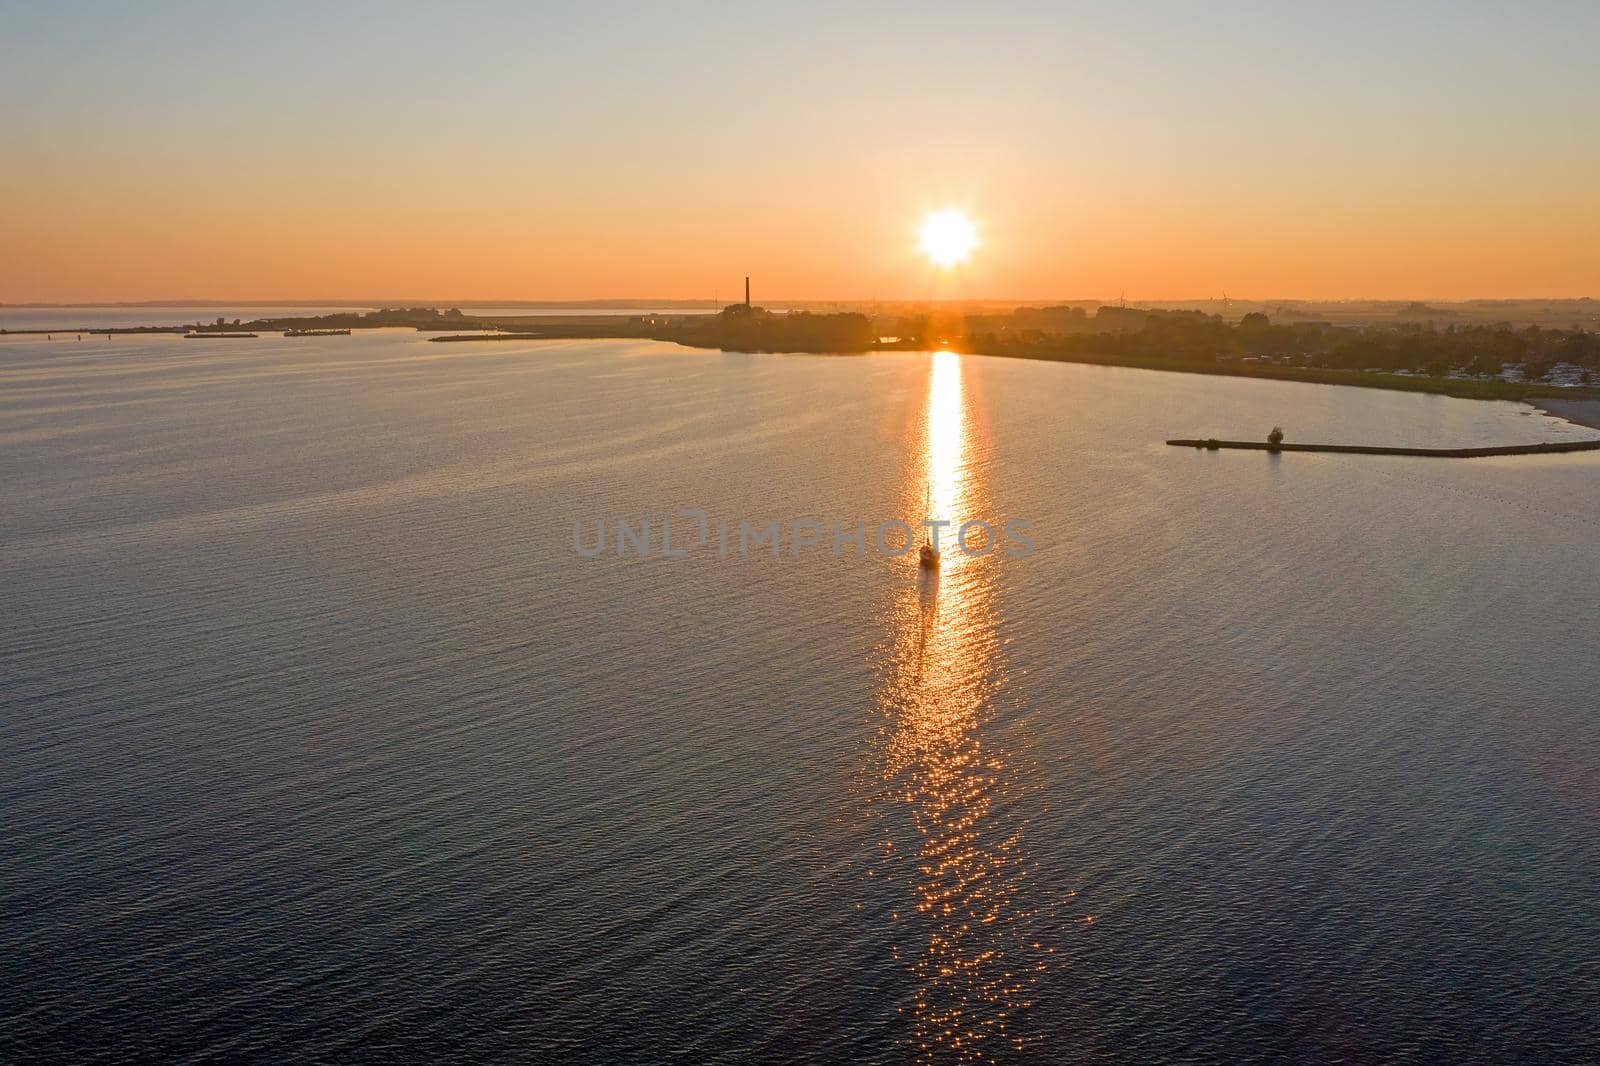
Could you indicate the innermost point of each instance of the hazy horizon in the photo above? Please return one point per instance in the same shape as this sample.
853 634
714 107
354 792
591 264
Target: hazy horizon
713 301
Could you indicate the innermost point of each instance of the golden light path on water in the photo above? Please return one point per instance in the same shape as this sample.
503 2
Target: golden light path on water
951 831
945 441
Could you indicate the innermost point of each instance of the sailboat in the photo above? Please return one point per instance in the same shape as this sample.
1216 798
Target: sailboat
928 555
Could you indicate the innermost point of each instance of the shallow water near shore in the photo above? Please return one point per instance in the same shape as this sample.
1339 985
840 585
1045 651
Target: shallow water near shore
320 740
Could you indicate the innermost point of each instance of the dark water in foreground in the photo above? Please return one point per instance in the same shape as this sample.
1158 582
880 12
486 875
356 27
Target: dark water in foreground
317 741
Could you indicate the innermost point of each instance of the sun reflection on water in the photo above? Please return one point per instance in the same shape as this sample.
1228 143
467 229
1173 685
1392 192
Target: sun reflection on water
945 439
948 781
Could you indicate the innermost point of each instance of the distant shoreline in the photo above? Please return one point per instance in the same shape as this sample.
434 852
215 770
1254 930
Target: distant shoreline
1579 406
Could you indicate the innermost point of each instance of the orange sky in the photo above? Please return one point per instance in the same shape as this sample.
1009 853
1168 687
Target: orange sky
1167 154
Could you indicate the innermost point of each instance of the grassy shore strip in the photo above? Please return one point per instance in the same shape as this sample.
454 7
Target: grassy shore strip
1468 389
488 337
1357 449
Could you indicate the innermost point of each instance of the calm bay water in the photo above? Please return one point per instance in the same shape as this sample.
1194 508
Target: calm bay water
319 741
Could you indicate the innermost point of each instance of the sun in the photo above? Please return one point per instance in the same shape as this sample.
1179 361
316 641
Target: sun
948 237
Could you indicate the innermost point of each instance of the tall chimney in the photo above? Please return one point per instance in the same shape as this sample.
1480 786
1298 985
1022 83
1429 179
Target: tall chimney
747 290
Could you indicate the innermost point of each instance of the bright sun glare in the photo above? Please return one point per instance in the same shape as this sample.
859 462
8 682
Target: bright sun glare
948 237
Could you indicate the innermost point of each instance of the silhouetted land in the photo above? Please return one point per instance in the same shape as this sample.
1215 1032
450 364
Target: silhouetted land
386 318
754 329
737 328
1357 449
1445 355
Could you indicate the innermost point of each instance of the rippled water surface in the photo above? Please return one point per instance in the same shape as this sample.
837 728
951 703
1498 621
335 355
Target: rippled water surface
319 739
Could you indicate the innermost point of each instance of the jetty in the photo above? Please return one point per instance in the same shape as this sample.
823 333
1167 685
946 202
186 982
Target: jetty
1212 444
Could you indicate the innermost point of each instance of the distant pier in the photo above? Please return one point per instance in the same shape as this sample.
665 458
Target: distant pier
1356 449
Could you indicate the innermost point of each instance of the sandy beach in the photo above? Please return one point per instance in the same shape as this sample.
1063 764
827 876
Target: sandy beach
1578 412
